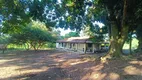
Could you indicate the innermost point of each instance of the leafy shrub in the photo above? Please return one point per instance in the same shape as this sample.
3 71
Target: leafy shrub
34 37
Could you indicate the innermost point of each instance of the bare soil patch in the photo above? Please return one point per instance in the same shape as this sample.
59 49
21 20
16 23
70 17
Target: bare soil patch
62 65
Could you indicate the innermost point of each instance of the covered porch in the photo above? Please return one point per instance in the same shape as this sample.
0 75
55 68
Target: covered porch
82 47
81 44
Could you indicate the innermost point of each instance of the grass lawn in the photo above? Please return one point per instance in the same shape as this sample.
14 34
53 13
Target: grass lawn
61 65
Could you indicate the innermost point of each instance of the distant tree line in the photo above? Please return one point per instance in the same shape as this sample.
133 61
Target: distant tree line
121 17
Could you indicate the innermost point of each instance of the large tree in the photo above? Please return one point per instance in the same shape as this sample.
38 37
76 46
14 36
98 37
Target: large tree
120 16
123 18
33 36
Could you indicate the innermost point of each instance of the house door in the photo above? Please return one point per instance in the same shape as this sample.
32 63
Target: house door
89 47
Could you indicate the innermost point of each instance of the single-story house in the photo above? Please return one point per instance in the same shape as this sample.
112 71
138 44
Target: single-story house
81 44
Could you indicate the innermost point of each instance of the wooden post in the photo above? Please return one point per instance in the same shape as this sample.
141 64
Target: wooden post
93 48
68 45
85 48
76 46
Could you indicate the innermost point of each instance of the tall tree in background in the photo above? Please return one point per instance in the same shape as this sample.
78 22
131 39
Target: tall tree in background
121 16
71 34
33 36
57 34
98 34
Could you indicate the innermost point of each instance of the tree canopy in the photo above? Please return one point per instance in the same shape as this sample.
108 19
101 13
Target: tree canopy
119 16
71 34
33 35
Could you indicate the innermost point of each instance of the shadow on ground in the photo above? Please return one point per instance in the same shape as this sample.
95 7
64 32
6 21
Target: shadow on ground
61 65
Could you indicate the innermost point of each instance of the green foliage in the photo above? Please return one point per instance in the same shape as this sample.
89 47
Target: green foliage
97 33
121 18
97 38
14 12
71 34
115 12
4 39
139 31
73 14
139 37
51 45
33 36
20 12
57 34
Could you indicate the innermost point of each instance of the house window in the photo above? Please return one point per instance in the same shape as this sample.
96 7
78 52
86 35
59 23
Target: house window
89 44
65 44
62 45
70 45
73 44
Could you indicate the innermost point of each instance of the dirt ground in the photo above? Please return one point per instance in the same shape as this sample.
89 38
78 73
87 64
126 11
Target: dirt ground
62 65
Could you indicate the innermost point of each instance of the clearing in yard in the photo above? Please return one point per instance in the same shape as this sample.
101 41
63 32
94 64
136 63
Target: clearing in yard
62 65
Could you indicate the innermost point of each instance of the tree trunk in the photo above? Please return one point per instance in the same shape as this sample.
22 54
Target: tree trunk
117 40
115 49
130 44
118 34
140 44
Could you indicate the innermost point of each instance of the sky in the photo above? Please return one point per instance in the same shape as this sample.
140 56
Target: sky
63 31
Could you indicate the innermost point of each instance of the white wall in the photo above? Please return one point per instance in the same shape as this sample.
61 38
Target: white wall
57 45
